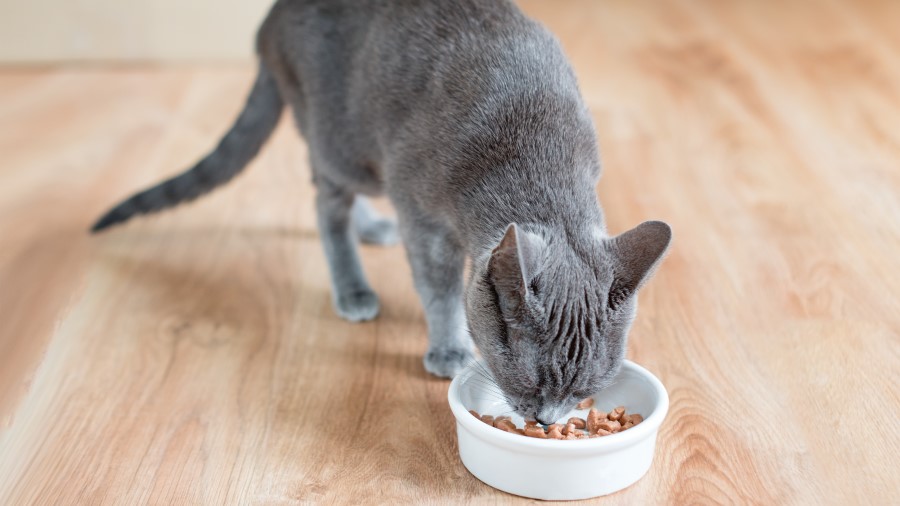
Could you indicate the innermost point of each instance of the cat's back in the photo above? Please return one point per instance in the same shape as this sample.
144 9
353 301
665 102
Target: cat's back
388 52
453 12
431 26
382 76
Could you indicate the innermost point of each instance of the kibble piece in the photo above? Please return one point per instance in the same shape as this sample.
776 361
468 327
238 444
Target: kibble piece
595 417
603 432
535 431
610 425
554 433
635 418
520 432
578 422
505 425
488 419
585 403
617 413
627 425
505 417
575 434
530 422
475 414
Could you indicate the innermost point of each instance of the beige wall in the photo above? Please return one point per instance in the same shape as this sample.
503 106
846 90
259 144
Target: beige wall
39 31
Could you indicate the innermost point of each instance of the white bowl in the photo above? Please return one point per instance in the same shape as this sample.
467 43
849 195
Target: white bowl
559 469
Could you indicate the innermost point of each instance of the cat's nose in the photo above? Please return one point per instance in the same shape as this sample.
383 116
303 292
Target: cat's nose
548 415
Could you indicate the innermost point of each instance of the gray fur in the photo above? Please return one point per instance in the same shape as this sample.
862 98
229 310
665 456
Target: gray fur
468 115
370 226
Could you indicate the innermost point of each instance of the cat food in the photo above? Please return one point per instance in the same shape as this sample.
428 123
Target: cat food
593 420
585 403
535 431
506 425
598 424
616 413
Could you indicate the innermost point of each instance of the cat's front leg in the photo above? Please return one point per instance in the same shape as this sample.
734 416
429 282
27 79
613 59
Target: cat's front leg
437 261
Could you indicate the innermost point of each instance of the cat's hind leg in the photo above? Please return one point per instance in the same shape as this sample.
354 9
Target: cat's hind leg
371 226
352 296
437 261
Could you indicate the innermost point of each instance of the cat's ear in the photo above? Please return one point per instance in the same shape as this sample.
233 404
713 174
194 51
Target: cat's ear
512 265
637 253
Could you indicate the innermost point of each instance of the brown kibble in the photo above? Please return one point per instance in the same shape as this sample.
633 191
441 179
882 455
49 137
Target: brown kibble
610 425
585 403
595 417
617 413
598 424
554 433
535 431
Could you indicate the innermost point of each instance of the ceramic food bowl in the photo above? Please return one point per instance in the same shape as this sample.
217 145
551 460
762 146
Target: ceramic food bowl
559 469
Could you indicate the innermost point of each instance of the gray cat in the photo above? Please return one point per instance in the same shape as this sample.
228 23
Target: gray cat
468 116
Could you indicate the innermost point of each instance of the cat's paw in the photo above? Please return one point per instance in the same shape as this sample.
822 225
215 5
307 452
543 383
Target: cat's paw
357 305
447 362
381 232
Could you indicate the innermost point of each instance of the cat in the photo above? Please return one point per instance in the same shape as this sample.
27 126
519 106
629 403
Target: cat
468 116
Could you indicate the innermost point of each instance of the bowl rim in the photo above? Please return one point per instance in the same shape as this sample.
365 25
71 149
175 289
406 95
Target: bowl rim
647 428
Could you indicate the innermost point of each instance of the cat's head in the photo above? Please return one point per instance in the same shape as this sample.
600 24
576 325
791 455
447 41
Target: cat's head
551 314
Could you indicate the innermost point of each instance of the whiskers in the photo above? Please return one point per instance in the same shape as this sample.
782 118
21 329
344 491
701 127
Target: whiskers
484 385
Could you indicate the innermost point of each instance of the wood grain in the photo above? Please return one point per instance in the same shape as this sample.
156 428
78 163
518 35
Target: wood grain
193 357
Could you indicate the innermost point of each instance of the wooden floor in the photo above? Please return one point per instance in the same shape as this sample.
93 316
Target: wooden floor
193 358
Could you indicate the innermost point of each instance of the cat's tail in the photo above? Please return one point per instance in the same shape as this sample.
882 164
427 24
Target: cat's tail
251 130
